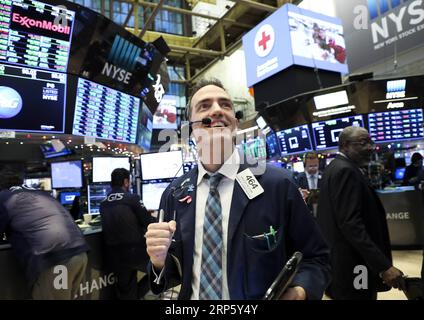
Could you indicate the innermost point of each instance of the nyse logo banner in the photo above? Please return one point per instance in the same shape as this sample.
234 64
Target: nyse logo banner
377 29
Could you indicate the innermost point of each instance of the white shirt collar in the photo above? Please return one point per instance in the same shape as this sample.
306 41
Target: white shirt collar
308 175
229 169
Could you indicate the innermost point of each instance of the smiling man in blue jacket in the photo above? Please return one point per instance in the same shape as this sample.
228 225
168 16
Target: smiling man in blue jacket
229 226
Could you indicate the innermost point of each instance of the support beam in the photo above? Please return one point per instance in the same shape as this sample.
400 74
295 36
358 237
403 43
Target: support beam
130 13
256 5
151 18
196 51
187 67
194 14
222 36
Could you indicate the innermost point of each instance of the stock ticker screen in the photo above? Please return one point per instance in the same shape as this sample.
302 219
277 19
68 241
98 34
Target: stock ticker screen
32 99
326 133
35 34
396 125
294 140
105 113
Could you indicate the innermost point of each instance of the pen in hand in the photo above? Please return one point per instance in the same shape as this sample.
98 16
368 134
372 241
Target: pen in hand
161 215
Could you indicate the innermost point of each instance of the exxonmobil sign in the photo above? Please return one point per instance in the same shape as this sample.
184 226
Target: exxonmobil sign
42 24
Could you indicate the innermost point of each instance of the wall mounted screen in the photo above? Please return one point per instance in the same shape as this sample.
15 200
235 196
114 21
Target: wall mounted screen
326 133
396 125
294 140
35 34
31 100
105 113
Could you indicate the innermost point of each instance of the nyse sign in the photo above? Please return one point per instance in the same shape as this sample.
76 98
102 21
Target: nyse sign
375 30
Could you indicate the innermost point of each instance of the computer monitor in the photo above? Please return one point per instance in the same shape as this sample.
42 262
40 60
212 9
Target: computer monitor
103 167
67 198
326 133
161 165
399 173
152 193
295 140
66 174
96 193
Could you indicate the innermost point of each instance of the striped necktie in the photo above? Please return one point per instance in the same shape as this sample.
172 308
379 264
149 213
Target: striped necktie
211 267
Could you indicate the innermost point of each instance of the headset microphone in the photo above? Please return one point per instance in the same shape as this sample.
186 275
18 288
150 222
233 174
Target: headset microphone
205 121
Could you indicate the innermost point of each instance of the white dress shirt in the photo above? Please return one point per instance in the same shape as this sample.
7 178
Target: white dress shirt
229 170
312 180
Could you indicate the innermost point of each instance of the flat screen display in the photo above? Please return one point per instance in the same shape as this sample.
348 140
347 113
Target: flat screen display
103 167
396 125
254 148
294 140
399 173
106 53
152 193
317 40
272 145
165 116
96 194
35 34
39 183
67 174
105 113
68 198
145 128
49 151
32 100
161 165
326 133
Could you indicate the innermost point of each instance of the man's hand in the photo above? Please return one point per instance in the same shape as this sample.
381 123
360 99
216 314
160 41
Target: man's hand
393 277
158 240
294 293
304 193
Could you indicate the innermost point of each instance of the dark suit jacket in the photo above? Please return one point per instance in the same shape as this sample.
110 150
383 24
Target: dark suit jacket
251 266
353 220
302 181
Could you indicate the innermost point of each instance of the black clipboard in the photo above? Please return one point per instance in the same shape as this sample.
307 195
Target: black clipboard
284 278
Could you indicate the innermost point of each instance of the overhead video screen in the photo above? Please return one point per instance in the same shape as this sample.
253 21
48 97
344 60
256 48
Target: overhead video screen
396 125
105 113
106 53
294 140
317 40
165 116
31 100
326 133
35 34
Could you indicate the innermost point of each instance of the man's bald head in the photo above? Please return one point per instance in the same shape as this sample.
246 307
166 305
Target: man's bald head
356 144
351 133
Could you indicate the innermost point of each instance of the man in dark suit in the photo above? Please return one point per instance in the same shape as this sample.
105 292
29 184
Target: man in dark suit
226 238
309 181
354 222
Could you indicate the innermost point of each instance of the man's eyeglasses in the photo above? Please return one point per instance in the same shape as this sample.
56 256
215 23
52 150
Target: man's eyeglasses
363 143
